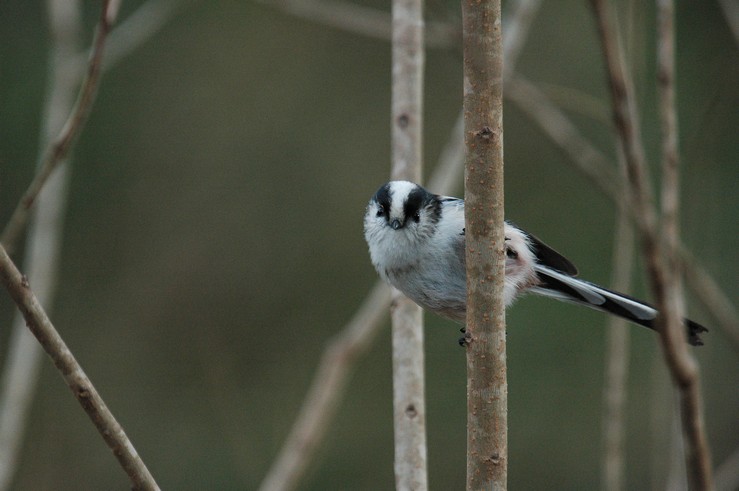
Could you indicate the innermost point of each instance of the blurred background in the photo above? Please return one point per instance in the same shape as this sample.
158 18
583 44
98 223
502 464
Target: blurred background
213 245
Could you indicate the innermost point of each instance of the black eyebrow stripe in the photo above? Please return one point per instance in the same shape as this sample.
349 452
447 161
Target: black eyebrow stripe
414 202
382 197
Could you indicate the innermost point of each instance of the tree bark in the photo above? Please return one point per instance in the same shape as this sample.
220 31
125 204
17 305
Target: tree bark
487 387
409 407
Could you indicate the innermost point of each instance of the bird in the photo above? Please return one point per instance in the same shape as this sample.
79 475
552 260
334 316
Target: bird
416 242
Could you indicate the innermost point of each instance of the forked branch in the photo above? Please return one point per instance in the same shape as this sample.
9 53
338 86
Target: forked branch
60 148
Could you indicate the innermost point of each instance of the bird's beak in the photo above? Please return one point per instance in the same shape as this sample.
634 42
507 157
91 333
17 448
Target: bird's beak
395 223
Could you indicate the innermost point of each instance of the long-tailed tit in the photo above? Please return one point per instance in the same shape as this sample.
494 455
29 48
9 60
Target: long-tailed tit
416 243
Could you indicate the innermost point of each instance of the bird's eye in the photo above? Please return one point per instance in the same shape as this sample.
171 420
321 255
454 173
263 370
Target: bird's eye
380 211
416 217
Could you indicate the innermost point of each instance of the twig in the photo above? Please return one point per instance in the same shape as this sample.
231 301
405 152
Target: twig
670 198
78 382
357 19
409 405
487 386
627 127
617 359
69 133
682 367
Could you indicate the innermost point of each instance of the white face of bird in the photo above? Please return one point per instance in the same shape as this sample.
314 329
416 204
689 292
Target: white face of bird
401 212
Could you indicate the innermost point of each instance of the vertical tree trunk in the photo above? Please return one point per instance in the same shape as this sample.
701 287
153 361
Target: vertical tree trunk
487 387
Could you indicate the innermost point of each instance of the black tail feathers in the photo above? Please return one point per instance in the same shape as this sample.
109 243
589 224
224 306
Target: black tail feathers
564 287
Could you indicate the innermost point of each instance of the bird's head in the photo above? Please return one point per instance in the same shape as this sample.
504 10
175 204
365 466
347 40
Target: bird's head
401 212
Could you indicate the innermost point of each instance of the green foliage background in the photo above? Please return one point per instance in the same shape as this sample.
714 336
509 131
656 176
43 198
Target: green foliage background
214 244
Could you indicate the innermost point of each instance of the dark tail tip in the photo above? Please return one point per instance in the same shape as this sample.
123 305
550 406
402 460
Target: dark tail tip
694 331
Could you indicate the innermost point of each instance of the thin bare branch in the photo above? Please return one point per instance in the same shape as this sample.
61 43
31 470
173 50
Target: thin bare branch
18 285
409 404
487 386
59 150
627 127
682 367
138 28
23 359
80 385
670 198
358 19
407 90
20 372
668 288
